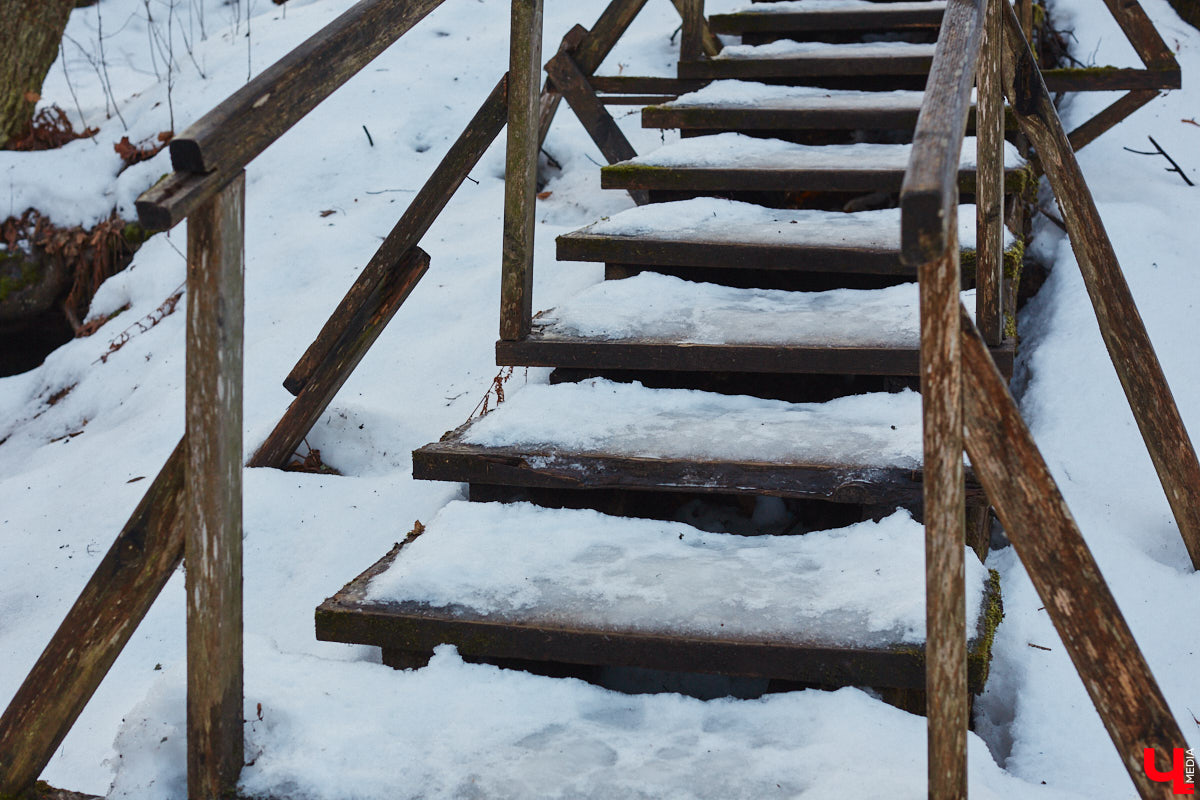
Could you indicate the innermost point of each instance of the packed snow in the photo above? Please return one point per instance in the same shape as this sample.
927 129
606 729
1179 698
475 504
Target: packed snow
765 95
804 6
739 151
657 307
861 586
334 722
787 48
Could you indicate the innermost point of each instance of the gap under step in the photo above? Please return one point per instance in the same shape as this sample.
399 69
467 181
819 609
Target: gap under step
728 234
733 162
515 581
830 15
791 59
659 322
730 105
596 434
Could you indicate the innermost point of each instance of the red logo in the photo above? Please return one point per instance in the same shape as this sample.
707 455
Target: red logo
1183 770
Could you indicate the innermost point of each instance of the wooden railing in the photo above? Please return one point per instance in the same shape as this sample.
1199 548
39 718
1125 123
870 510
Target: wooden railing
966 403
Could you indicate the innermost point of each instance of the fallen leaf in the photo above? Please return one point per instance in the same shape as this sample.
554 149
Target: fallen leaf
327 212
32 97
544 195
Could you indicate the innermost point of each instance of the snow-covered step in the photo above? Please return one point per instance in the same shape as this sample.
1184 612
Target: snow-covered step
664 323
806 16
732 162
712 232
841 607
731 105
791 59
598 434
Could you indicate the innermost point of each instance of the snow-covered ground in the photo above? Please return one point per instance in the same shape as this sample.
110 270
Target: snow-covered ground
334 722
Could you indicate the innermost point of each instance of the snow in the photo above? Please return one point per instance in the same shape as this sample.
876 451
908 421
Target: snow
739 151
337 724
787 48
598 415
765 95
657 307
803 6
861 586
716 219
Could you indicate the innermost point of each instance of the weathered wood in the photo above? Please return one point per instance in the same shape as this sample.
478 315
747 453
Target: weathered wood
168 202
451 171
766 118
821 359
1121 325
134 570
359 332
1110 79
989 193
931 182
544 467
551 98
350 616
880 17
637 84
1142 34
592 114
696 39
1100 124
1063 571
249 120
213 523
945 600
847 65
520 181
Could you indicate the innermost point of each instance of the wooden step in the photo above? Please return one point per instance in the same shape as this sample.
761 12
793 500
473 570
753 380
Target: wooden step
657 322
749 106
790 59
514 581
597 434
733 162
806 16
716 233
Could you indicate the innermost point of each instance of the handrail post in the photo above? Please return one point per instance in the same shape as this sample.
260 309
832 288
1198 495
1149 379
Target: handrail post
213 505
520 177
989 191
691 39
945 518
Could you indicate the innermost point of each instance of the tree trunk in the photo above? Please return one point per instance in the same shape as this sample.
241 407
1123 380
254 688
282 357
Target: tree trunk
30 31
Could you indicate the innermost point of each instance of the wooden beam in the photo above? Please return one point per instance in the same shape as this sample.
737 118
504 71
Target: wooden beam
358 332
1121 325
169 202
1142 34
142 558
697 39
231 135
462 156
1110 79
931 181
520 181
989 194
214 492
1063 571
1100 124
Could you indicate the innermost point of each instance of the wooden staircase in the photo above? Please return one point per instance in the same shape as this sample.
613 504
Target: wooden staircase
747 367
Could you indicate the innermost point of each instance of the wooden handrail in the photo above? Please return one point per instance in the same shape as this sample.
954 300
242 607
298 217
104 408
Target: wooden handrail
930 188
248 121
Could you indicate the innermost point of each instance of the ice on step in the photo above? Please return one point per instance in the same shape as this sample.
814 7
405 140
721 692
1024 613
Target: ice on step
716 219
806 6
751 94
738 151
655 307
628 419
787 48
860 586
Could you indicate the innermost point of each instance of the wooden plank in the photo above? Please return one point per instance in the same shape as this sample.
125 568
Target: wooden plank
142 558
451 460
592 114
551 98
931 181
718 179
765 118
351 617
606 354
413 225
989 194
1110 79
520 183
168 202
848 65
636 84
1100 124
875 18
1063 571
213 525
945 521
327 376
1121 325
697 39
1142 34
231 135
